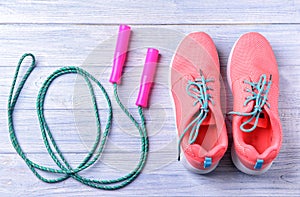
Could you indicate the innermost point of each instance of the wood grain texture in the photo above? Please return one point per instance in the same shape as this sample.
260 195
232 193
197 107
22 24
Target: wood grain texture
83 33
150 12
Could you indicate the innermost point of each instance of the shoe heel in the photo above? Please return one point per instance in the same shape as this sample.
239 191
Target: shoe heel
239 165
195 170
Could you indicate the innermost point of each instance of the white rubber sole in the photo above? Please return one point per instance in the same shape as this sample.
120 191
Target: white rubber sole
239 165
196 170
229 63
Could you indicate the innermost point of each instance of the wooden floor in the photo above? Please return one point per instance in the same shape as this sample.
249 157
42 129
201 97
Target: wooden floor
83 33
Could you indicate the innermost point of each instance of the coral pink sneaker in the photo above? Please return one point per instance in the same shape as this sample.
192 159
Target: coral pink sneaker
195 88
253 78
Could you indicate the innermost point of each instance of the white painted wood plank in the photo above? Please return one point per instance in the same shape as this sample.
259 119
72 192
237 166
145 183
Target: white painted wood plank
76 130
150 12
170 180
56 45
72 93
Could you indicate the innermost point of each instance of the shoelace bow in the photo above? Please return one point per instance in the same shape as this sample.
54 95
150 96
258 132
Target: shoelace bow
198 90
259 91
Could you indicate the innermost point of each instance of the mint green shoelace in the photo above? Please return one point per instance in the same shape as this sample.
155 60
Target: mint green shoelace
198 90
259 94
66 171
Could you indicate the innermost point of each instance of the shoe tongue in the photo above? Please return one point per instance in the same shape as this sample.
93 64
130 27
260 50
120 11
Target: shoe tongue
192 112
262 120
209 120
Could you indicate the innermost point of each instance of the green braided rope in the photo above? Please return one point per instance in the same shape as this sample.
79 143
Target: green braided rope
66 171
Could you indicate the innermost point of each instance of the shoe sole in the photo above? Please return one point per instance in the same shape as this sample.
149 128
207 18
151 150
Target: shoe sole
229 63
236 161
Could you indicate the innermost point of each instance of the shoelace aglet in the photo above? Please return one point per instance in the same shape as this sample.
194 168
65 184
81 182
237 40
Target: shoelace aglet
270 79
178 158
201 72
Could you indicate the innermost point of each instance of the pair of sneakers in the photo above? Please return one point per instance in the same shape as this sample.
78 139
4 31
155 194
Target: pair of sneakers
252 75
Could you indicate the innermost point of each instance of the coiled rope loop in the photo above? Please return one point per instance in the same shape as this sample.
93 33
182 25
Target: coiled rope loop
65 169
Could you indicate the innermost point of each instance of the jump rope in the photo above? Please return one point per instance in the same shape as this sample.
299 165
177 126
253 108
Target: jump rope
65 169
